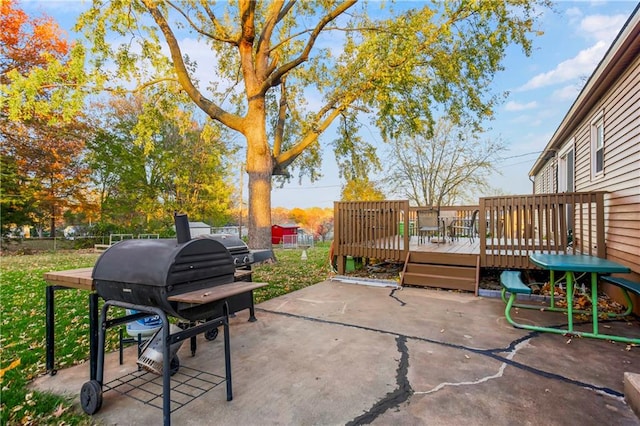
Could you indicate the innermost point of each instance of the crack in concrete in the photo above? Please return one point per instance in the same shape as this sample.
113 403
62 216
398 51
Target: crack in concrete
393 296
491 353
499 374
396 397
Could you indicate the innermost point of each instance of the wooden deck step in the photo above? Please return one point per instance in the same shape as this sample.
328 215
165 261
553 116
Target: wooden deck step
442 271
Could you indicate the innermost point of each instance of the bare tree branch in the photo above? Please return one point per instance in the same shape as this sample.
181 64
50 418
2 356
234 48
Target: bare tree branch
213 110
274 78
197 28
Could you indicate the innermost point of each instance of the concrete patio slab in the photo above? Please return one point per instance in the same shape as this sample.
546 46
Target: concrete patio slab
337 353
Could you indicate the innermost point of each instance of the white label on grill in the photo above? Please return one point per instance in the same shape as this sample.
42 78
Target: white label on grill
126 290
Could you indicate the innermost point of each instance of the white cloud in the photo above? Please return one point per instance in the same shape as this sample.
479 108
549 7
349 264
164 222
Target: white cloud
516 106
602 28
569 92
574 14
582 64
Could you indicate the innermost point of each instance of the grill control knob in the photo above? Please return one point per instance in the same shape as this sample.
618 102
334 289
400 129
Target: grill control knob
236 261
246 259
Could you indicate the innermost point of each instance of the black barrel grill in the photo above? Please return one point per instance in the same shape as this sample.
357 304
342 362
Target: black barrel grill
148 272
152 276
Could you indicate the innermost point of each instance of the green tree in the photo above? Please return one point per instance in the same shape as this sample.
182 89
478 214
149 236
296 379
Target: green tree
139 186
361 189
39 70
444 168
272 58
38 142
202 176
15 205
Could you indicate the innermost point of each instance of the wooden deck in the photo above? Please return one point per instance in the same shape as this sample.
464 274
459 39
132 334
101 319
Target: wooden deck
509 229
462 245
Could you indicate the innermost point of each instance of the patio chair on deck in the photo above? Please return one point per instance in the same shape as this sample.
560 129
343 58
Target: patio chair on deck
428 223
466 227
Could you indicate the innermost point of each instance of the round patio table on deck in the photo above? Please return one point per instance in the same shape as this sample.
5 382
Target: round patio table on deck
570 264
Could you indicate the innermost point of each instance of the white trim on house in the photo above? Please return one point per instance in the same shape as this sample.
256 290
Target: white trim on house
597 145
567 167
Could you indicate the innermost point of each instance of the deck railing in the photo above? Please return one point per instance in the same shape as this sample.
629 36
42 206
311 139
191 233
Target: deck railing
516 226
371 229
510 228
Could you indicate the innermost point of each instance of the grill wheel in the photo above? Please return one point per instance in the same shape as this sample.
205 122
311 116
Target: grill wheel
211 334
91 397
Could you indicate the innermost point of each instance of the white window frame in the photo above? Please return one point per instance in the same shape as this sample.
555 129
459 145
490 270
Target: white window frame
563 172
598 143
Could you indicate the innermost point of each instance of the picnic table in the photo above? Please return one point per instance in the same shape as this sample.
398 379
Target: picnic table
570 264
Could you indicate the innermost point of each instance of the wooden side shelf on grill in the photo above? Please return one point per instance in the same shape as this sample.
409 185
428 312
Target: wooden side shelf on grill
74 278
219 292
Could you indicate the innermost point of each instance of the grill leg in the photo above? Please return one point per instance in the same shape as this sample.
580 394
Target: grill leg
227 352
193 343
252 310
99 373
50 330
120 344
166 372
93 334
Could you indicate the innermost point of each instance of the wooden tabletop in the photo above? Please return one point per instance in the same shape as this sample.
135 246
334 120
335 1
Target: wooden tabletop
82 278
219 292
74 278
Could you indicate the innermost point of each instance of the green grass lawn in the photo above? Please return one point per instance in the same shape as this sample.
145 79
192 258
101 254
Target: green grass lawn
22 324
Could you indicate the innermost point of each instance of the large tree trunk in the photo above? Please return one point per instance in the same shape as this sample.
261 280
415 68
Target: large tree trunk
260 209
259 169
53 221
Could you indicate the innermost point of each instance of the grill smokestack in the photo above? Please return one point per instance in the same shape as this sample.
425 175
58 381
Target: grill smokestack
182 228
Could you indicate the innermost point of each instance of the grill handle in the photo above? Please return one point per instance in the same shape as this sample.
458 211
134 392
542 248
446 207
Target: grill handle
183 234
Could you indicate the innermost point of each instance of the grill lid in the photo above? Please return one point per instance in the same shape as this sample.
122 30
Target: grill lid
164 262
242 256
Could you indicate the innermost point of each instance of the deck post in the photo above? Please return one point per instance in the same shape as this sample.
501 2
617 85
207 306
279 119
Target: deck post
600 241
407 229
482 231
341 264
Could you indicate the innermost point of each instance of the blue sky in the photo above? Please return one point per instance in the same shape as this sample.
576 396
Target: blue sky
542 88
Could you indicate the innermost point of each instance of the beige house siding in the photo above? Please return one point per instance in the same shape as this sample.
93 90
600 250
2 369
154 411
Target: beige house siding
612 96
621 178
545 181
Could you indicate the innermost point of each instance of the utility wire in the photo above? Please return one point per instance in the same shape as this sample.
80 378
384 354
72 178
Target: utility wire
521 155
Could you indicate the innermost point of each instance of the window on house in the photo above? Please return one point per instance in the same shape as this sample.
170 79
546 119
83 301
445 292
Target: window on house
597 146
566 168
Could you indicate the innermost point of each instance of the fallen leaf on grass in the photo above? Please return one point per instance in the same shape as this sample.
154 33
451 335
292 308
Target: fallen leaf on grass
11 366
59 411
